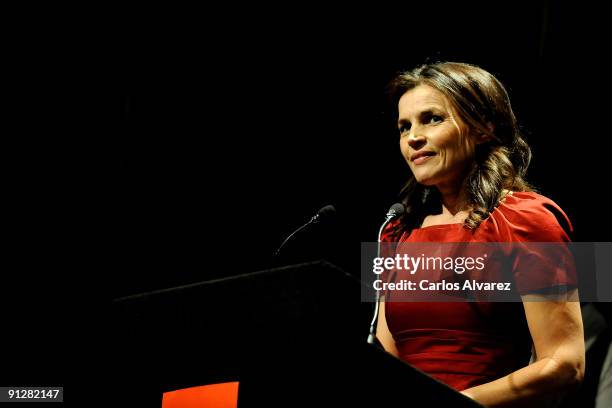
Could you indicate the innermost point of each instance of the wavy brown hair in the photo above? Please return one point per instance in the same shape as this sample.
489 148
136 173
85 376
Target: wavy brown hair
500 164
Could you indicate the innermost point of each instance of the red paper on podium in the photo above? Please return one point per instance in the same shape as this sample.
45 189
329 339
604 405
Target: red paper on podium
223 395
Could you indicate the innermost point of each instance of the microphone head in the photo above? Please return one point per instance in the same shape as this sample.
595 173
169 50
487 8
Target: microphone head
396 210
325 213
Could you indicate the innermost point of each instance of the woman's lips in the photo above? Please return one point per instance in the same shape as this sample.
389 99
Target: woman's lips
422 159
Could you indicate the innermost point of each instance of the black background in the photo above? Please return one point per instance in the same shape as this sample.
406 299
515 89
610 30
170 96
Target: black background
233 135
151 148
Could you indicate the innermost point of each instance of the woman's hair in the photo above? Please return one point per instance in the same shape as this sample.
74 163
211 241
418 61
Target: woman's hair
501 163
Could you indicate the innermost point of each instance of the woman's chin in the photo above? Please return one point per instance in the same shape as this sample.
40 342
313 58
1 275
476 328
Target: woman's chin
425 180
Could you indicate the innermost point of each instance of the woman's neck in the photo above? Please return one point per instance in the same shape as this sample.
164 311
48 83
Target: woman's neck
454 200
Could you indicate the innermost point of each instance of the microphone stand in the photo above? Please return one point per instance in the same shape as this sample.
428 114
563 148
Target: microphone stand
372 335
293 233
322 214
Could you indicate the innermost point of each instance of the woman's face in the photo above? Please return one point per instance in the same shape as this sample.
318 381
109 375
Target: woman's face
433 139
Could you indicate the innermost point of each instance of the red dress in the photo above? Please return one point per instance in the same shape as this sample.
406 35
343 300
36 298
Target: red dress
464 344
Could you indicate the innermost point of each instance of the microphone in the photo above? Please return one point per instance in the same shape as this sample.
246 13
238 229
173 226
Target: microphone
395 211
323 214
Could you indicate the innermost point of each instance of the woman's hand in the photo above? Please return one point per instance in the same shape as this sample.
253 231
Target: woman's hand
558 338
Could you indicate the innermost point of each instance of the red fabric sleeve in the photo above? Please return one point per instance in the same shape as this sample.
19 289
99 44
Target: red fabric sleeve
542 256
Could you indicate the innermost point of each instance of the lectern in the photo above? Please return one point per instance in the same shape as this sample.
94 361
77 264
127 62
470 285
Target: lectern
292 336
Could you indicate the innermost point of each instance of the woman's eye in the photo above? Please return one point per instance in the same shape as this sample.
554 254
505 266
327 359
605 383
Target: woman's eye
404 128
435 119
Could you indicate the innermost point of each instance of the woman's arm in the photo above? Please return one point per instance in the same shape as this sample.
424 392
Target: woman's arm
382 332
557 333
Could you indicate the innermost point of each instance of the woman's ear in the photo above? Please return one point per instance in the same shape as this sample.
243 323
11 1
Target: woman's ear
486 137
483 138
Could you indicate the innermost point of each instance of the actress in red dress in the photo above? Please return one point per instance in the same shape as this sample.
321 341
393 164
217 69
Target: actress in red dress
468 159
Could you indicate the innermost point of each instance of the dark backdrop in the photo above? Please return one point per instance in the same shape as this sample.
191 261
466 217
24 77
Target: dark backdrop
230 136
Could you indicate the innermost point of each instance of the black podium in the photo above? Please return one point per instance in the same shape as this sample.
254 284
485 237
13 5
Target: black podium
293 336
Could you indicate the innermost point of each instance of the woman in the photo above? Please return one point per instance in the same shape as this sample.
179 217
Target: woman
468 159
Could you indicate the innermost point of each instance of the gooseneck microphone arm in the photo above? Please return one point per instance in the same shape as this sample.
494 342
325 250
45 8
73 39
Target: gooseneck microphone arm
323 213
395 211
292 234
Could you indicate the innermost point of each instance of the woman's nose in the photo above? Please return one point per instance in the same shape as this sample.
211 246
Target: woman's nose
416 140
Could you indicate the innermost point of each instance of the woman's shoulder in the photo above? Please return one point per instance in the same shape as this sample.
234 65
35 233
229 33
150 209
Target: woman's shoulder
534 217
531 206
